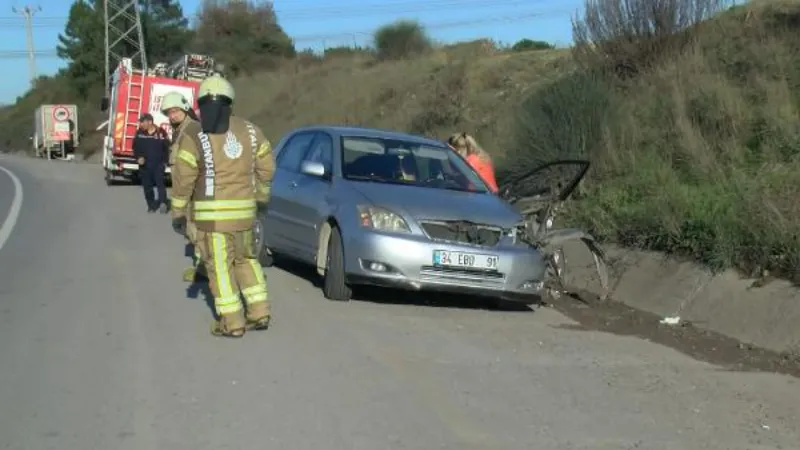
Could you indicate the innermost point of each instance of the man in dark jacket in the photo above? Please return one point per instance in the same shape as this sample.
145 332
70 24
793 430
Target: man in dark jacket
151 149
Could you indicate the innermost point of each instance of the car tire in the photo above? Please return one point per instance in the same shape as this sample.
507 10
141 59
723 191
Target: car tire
264 256
335 286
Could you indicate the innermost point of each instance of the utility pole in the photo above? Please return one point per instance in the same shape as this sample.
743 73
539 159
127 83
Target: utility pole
27 13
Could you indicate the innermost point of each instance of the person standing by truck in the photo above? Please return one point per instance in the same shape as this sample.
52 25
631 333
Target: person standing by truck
180 113
151 149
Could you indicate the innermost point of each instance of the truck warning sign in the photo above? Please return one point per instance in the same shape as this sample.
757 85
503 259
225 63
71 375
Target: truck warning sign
61 128
60 113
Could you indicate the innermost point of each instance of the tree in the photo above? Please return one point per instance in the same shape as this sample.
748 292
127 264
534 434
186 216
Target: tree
166 30
243 34
82 45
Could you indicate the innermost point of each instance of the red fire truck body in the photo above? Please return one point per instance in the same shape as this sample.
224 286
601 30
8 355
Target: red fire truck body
134 93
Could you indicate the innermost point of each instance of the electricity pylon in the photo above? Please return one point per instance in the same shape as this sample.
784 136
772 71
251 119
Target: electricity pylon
124 36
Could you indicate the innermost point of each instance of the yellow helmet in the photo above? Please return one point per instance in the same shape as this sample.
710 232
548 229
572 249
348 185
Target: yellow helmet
216 86
174 100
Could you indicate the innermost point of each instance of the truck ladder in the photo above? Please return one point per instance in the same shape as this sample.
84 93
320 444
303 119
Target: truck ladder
133 106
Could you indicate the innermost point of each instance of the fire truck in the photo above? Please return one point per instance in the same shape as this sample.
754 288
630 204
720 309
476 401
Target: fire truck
134 93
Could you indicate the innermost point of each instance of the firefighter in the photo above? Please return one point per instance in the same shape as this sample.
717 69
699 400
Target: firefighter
224 169
179 111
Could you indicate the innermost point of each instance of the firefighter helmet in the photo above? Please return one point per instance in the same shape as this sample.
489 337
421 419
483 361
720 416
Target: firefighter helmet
174 100
215 87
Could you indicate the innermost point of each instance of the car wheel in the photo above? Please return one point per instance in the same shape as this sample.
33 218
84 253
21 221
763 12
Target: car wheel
335 287
259 246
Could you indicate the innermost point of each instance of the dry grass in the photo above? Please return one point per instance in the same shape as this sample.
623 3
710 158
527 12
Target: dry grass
472 87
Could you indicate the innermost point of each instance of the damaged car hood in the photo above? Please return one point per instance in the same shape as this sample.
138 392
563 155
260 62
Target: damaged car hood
423 203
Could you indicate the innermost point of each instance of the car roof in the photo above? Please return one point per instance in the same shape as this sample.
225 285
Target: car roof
343 131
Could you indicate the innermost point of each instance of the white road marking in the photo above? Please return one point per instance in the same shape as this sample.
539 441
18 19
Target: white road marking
13 212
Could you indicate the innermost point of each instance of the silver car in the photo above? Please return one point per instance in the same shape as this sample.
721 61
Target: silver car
375 207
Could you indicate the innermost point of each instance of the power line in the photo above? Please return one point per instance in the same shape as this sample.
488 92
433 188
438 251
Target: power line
307 14
14 54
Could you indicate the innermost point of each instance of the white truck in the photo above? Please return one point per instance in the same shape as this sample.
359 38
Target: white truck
55 134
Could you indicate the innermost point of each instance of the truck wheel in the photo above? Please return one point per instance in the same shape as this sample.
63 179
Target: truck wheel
109 179
335 287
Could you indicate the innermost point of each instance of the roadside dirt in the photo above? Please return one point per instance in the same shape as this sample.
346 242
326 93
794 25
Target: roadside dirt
617 318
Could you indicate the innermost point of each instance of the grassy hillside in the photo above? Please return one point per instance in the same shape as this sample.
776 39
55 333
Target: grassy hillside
700 154
471 86
695 154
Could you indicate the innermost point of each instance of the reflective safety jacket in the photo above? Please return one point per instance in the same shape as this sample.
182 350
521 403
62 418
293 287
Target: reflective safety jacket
177 131
222 175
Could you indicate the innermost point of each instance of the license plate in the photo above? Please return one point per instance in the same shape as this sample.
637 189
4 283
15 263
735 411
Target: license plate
465 260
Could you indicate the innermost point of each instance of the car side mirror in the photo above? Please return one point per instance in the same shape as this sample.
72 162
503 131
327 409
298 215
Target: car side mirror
313 168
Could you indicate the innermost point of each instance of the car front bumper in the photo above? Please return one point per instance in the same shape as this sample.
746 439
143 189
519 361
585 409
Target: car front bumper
406 262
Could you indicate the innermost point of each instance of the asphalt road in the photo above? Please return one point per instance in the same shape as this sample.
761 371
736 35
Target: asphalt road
102 347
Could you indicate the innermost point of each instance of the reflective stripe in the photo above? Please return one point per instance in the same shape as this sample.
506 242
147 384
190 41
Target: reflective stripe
227 305
208 216
187 157
228 301
264 149
259 272
255 294
179 203
222 205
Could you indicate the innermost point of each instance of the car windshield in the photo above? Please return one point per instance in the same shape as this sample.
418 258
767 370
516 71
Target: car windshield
396 161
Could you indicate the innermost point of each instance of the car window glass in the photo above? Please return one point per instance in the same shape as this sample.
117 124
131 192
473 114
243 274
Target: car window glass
321 151
405 162
292 154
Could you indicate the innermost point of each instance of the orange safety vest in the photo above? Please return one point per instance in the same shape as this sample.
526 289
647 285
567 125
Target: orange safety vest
484 169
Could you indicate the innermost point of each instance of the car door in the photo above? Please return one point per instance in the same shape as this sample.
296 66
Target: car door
313 201
279 222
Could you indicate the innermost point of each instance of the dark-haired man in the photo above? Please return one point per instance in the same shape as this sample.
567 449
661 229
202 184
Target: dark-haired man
151 149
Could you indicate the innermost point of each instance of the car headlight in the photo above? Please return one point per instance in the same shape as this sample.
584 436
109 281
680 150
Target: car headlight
381 219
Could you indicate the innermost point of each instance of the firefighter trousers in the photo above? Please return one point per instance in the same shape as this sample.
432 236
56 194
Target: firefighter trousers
192 235
233 268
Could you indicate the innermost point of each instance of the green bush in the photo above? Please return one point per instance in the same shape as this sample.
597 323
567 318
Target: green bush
548 129
401 39
526 45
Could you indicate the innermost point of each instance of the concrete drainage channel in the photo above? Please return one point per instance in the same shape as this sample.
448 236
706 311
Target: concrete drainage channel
722 319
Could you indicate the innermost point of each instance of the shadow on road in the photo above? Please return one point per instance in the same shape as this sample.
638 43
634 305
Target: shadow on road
199 288
399 297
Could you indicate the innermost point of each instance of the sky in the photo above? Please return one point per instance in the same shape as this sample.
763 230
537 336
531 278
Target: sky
313 24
